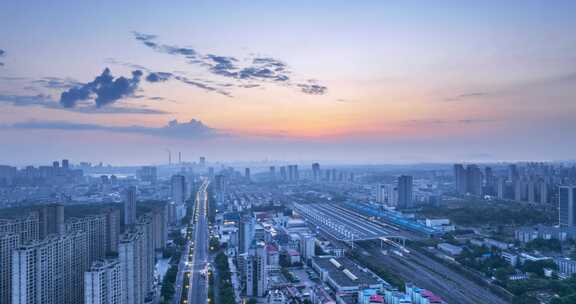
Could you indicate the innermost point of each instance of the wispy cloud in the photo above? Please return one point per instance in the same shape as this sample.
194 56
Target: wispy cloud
466 96
45 101
193 129
155 77
467 121
56 82
246 73
545 84
148 40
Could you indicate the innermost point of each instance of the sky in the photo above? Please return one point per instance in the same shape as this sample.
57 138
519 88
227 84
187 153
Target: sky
337 81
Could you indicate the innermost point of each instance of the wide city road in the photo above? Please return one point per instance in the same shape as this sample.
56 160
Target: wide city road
198 291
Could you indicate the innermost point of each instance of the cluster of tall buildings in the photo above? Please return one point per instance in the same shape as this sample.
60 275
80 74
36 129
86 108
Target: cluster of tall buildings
179 193
530 182
567 206
287 173
257 249
58 173
148 174
47 258
291 173
399 195
468 179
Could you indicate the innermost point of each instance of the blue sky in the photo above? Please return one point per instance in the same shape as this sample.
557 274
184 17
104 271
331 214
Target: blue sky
385 81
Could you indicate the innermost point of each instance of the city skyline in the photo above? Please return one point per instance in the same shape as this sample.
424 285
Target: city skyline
370 82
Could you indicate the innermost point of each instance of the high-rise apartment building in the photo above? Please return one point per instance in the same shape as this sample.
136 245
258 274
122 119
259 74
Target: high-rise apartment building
27 227
178 187
316 172
136 256
145 225
307 246
130 255
567 206
474 180
293 174
50 271
405 192
489 181
160 226
272 173
103 283
501 188
254 266
148 174
381 193
113 230
460 179
51 220
247 174
245 233
543 192
8 242
96 232
130 206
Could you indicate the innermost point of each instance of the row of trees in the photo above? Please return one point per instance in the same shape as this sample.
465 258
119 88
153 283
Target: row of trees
167 291
483 214
225 288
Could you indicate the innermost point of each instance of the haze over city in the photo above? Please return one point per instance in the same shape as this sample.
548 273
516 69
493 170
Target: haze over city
287 152
362 82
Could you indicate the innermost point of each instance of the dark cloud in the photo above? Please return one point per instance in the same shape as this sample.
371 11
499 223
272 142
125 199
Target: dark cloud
156 98
158 76
45 101
312 88
248 73
194 129
104 88
221 65
260 69
269 62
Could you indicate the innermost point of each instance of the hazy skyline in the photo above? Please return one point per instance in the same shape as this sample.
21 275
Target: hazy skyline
362 82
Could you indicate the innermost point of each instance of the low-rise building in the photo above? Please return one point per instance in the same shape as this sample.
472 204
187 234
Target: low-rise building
527 234
344 276
510 258
450 249
566 267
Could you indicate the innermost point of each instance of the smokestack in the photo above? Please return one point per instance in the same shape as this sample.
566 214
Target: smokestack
169 157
